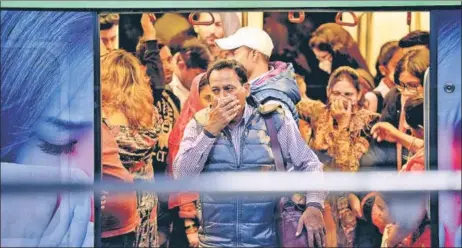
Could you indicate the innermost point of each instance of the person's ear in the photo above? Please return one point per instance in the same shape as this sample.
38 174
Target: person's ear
383 70
175 58
180 63
247 89
254 55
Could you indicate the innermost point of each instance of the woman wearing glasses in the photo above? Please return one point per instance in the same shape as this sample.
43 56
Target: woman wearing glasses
410 72
409 79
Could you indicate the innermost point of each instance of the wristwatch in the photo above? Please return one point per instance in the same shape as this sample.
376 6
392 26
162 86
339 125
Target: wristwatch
209 134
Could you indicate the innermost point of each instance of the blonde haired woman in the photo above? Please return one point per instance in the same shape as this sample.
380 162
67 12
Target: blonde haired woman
128 111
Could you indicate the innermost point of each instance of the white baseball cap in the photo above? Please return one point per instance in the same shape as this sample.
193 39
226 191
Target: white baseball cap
251 37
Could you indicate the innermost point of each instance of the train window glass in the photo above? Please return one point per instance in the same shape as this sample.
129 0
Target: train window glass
354 106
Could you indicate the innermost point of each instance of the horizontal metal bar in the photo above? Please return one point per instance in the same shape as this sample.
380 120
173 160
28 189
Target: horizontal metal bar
216 4
269 182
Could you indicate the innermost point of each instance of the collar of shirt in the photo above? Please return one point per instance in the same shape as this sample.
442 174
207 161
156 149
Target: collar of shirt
382 88
248 110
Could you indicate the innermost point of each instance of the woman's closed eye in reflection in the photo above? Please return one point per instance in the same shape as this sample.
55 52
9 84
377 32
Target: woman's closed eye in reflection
64 143
57 149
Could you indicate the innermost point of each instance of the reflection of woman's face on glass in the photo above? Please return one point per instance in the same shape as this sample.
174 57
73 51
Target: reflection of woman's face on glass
47 122
63 135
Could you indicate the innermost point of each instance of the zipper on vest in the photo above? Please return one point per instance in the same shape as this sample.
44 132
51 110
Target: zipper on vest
236 159
233 150
241 149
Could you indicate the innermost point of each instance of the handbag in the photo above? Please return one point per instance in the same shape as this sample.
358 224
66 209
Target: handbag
289 212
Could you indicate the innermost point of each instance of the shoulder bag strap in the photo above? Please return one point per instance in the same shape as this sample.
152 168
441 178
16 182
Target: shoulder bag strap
275 145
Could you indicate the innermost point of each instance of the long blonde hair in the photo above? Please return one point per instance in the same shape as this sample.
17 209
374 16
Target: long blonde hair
124 88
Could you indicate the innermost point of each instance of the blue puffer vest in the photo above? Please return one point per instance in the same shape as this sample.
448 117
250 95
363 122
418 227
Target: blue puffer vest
279 84
237 220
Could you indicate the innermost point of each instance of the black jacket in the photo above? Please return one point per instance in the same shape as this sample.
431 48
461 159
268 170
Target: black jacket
382 155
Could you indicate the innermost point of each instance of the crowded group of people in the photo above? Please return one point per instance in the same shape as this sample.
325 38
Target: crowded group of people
215 102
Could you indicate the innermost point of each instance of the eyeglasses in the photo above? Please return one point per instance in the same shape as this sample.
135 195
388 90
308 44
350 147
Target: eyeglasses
409 88
346 95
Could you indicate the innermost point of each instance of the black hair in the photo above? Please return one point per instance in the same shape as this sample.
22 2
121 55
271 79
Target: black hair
141 49
195 54
386 53
240 70
415 62
176 43
203 82
106 21
367 208
414 112
415 38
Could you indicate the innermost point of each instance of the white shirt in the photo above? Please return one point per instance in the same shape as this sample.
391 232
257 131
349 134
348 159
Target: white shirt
179 90
382 88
